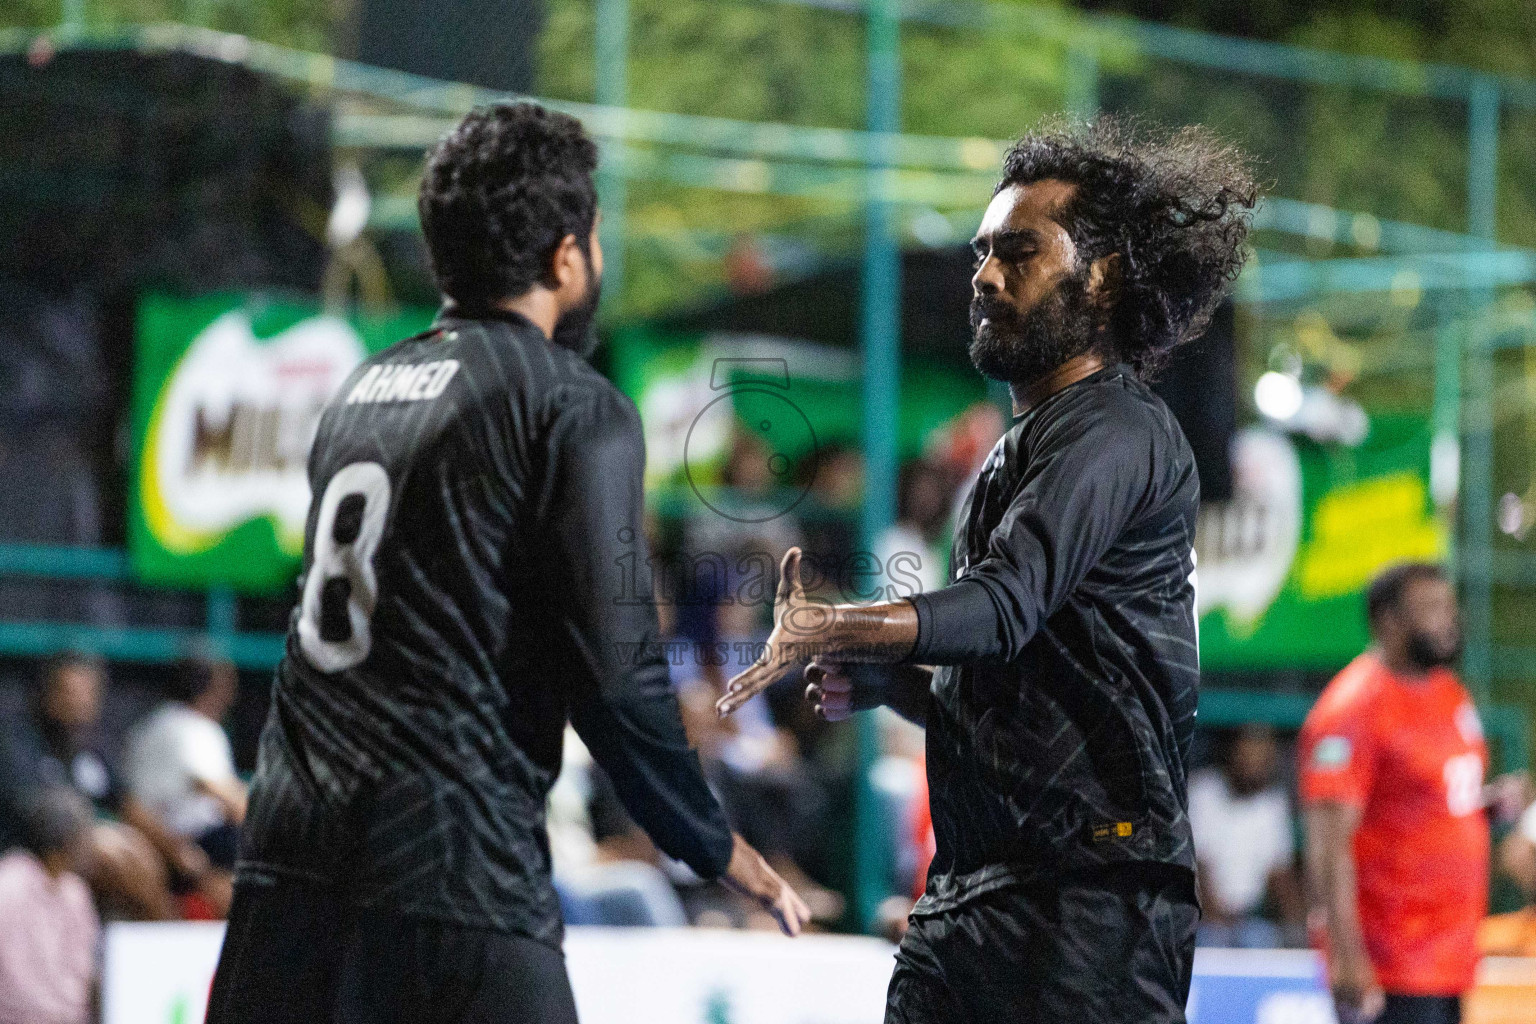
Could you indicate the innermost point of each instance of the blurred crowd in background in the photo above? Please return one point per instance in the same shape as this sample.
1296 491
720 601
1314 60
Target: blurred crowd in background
137 818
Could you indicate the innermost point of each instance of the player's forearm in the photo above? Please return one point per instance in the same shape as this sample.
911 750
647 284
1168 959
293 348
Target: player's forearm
862 633
1331 878
1341 907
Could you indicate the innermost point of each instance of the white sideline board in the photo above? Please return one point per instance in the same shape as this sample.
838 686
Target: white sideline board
160 974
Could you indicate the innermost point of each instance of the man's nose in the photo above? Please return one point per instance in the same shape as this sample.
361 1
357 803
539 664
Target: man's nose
988 279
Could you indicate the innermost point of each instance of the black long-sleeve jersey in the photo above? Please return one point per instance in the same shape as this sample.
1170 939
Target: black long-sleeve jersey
475 576
1061 717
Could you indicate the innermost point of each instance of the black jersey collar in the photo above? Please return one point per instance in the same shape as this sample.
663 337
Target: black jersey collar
450 311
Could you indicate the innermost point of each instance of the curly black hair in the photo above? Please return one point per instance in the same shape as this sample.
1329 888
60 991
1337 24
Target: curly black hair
499 193
1176 205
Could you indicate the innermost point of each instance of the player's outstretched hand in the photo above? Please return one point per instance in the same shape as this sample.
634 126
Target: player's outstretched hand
797 621
751 876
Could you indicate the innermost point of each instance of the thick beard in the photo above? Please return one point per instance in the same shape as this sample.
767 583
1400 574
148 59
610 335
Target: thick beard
1425 655
1021 350
577 328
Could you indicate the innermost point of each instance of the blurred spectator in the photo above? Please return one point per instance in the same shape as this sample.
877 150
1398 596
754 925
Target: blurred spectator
911 550
747 270
1517 854
55 744
48 926
964 443
899 781
832 506
756 766
1392 763
1244 843
179 765
600 881
1514 934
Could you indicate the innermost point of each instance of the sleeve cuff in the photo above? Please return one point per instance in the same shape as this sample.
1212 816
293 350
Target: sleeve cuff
924 629
955 625
717 858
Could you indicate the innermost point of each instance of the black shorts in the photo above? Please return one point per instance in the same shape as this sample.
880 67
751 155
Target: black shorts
1111 947
1421 1010
296 954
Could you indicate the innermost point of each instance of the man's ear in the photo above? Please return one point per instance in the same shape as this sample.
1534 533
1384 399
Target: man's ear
1104 281
568 268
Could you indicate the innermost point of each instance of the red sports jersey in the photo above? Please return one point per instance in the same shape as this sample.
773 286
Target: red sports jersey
1411 756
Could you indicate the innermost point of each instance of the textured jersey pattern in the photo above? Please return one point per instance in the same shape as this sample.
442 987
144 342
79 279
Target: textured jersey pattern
416 778
1061 716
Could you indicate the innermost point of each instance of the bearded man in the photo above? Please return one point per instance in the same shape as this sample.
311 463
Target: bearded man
1392 762
1057 673
477 489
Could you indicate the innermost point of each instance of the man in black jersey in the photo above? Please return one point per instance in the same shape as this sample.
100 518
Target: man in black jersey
1061 661
477 493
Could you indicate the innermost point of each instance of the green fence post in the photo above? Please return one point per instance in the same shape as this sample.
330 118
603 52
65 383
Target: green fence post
1445 449
72 15
880 328
612 46
1477 474
222 613
1082 80
1483 157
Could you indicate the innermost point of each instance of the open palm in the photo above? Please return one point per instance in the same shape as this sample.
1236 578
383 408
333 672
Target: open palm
797 622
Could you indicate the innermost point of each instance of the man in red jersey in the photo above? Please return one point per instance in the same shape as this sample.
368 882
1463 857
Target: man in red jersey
1392 763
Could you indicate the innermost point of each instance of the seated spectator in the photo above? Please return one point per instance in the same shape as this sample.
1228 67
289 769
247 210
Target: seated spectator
1245 844
911 551
55 745
755 766
1514 934
899 781
599 880
179 765
48 926
1517 853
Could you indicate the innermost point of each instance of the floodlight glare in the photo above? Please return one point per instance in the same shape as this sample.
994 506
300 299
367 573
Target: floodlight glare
1278 395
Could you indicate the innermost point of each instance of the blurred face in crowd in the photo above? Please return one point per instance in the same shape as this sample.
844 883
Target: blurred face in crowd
749 467
223 688
1035 304
73 695
927 499
1251 761
1425 623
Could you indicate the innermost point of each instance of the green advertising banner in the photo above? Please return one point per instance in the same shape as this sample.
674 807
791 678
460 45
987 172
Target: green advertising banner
227 392
1282 567
795 397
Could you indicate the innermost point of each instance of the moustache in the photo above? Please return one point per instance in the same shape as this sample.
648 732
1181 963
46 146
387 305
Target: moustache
987 307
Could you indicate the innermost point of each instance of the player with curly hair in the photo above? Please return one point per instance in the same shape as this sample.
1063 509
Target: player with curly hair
1057 673
477 489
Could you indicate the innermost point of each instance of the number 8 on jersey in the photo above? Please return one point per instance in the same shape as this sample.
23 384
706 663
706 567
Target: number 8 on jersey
341 588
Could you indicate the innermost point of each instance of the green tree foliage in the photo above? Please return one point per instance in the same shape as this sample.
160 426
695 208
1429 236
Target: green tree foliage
302 24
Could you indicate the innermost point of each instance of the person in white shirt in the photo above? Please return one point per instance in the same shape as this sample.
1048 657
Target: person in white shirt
911 551
179 762
1245 844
